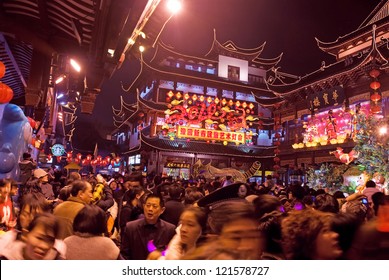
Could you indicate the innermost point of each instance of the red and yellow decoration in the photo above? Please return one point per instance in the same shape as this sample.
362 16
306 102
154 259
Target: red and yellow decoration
207 134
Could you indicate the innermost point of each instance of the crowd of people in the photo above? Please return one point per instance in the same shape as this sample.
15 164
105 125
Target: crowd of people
98 217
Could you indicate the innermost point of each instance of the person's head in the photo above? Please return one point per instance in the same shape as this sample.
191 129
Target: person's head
326 203
73 176
26 156
5 189
192 197
135 179
42 232
370 184
307 235
378 199
243 190
83 190
193 221
31 205
113 185
153 207
175 191
266 203
133 196
90 220
270 227
100 179
41 175
237 228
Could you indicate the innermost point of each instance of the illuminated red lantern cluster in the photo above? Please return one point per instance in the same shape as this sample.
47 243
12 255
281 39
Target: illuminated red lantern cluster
375 96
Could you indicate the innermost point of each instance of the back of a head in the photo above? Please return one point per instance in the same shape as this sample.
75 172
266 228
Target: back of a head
73 176
91 219
227 211
370 184
298 191
326 203
174 191
26 156
265 203
77 186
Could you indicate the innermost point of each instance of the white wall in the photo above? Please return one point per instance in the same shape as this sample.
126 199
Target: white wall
224 61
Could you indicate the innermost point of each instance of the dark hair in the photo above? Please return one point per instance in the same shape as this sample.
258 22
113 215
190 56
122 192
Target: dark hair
192 196
48 220
130 194
326 203
77 186
378 199
154 195
3 182
265 203
91 219
370 184
200 215
175 191
26 155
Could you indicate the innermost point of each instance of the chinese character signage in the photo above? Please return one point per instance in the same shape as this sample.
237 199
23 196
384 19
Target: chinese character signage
326 98
208 134
177 165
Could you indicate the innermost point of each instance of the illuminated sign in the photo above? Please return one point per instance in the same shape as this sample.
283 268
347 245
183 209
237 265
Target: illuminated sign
57 150
208 134
177 165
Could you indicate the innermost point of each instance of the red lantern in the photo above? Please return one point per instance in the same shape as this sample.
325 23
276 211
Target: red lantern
117 160
79 156
99 158
49 157
59 159
375 109
32 122
276 159
375 97
375 85
2 69
374 73
88 157
6 93
84 162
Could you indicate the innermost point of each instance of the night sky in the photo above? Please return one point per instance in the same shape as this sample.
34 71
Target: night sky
287 26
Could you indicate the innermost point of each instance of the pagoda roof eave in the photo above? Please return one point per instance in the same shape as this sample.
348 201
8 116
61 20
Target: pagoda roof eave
198 147
341 41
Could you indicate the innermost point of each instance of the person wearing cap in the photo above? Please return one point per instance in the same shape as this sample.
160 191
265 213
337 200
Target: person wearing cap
43 181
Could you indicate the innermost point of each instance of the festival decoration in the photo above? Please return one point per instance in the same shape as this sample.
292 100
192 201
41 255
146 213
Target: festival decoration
210 172
6 93
346 158
2 69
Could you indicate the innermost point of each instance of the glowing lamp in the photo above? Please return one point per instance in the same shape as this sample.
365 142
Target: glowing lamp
295 146
244 105
201 98
375 97
88 157
251 106
375 85
301 145
217 100
186 96
6 93
209 99
2 69
375 109
170 94
374 73
178 95
237 103
333 141
224 101
194 97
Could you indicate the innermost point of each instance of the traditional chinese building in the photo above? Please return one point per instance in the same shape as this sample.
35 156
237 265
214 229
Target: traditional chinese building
213 108
321 109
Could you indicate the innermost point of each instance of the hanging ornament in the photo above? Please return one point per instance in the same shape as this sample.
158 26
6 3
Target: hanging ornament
374 73
375 85
6 93
375 97
170 94
2 69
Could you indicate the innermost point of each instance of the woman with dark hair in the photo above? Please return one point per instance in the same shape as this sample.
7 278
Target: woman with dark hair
131 208
189 233
88 241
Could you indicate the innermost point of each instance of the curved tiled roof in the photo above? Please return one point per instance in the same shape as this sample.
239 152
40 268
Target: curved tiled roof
199 147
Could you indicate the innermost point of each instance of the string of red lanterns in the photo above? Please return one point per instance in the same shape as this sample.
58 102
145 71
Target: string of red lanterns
88 160
375 96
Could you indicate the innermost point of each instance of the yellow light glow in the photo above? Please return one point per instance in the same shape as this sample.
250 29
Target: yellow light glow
75 65
174 6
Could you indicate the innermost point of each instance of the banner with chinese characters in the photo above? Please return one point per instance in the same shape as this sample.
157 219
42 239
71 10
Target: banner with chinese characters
208 134
326 98
177 165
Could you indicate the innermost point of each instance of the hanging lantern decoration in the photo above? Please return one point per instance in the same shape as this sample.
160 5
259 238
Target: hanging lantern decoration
76 160
88 157
117 160
217 100
84 162
69 155
375 97
49 157
178 95
251 106
244 105
375 109
375 85
59 159
170 94
201 98
209 99
374 73
6 93
79 156
99 158
32 122
231 103
186 96
2 69
224 101
141 114
237 103
194 97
